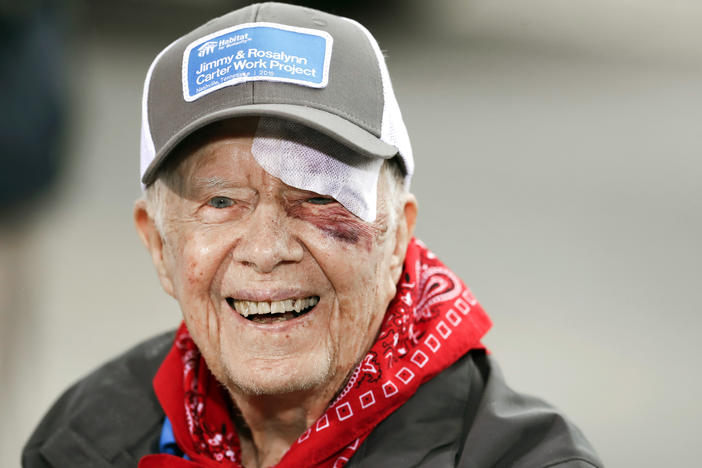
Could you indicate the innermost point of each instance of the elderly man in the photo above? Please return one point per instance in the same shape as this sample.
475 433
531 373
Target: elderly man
316 331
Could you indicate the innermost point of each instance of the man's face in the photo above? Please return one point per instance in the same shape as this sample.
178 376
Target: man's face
238 241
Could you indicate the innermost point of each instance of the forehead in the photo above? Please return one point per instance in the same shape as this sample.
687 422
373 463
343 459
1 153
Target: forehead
210 156
205 145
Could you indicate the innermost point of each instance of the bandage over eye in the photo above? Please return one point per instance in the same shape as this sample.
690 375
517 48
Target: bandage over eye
308 160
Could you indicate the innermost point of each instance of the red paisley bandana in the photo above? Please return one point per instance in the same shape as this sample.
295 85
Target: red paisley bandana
432 321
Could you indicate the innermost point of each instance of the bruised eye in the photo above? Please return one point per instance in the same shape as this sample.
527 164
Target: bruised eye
220 202
320 200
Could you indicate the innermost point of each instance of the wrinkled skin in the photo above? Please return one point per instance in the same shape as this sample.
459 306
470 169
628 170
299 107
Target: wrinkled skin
234 231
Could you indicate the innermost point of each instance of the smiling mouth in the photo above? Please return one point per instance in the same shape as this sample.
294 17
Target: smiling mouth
273 311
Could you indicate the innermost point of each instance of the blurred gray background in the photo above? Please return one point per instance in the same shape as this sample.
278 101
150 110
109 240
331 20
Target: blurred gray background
558 172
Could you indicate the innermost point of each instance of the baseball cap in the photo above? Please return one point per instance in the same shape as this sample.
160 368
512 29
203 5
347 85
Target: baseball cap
274 60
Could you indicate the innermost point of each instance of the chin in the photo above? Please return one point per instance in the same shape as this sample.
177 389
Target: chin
278 377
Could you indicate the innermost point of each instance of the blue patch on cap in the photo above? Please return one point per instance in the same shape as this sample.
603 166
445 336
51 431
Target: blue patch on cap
256 51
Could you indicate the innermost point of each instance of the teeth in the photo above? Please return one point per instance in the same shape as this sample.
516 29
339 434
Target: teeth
247 308
277 307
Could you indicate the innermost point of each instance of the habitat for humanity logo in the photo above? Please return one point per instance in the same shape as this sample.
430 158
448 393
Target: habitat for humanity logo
206 48
256 51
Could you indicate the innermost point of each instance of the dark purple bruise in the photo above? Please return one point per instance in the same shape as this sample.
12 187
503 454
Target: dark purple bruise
343 233
336 222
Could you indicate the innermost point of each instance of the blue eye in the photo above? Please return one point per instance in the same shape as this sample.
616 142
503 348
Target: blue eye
220 202
320 200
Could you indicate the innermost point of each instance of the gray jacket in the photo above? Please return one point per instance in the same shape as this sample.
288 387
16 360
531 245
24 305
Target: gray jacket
465 417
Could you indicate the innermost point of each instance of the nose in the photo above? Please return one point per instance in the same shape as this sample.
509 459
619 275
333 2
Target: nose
266 241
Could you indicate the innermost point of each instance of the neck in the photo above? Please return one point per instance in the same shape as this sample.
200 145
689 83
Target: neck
268 425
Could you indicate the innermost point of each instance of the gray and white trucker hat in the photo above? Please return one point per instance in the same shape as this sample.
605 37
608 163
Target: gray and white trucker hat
275 60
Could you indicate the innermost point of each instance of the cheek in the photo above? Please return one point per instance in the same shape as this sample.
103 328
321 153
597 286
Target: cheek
362 306
358 281
200 255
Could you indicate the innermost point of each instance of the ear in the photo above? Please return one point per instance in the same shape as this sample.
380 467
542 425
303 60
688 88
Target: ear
151 237
405 231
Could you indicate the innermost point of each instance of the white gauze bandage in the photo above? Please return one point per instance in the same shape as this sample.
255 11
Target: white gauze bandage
308 160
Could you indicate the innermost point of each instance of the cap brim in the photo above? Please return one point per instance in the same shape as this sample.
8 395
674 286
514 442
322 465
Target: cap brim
340 129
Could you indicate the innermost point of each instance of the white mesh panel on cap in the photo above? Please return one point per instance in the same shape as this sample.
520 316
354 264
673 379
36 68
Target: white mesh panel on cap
308 160
147 150
392 129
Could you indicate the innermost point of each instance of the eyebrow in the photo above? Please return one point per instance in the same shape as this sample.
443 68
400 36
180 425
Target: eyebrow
203 185
212 182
